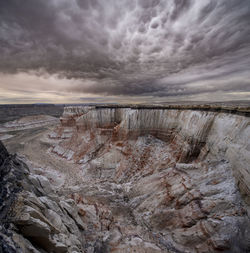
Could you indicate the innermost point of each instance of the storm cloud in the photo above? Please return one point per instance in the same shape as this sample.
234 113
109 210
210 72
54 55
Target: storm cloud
159 48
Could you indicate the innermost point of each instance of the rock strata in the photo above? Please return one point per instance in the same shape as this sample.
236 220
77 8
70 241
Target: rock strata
28 123
144 179
13 112
192 134
178 172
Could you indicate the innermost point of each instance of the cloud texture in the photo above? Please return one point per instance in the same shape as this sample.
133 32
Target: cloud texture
161 48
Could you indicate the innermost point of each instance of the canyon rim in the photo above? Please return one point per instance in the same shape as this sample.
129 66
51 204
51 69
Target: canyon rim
110 178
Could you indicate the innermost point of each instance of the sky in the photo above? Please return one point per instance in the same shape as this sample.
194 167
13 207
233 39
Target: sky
61 51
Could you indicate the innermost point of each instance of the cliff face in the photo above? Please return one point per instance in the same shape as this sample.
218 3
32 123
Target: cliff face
179 170
194 135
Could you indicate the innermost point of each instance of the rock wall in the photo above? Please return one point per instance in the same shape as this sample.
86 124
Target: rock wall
196 134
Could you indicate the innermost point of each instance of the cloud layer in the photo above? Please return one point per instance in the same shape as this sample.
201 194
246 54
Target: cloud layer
159 48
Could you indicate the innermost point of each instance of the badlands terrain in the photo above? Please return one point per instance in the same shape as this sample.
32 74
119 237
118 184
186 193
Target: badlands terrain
126 178
12 112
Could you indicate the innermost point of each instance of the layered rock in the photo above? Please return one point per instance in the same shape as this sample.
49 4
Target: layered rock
180 174
194 134
15 111
138 179
28 123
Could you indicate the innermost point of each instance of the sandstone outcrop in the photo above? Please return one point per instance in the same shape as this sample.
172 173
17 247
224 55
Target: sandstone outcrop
183 173
193 134
134 179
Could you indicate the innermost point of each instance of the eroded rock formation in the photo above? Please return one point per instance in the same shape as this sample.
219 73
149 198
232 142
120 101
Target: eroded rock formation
180 171
192 135
149 180
34 218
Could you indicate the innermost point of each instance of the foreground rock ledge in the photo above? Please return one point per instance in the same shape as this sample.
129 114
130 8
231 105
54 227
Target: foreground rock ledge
33 218
152 180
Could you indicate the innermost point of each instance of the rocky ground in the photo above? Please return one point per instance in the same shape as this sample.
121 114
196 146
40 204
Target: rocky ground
88 187
34 218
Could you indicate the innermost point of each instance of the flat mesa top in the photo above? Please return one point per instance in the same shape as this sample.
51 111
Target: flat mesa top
234 107
243 108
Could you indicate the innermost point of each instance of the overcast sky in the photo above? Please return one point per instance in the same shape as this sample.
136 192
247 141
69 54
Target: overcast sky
67 51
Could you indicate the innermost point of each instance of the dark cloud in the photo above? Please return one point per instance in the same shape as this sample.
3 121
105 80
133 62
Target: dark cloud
143 47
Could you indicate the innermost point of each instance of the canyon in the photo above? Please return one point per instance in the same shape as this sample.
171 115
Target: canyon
127 178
